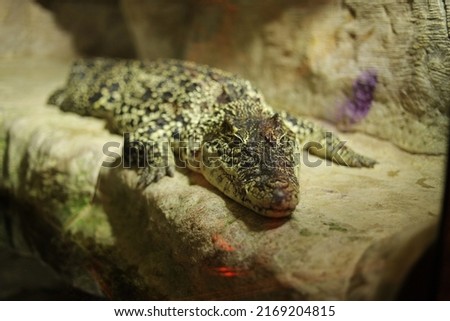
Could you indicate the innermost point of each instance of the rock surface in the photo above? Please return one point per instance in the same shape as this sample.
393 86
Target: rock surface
354 235
304 55
26 29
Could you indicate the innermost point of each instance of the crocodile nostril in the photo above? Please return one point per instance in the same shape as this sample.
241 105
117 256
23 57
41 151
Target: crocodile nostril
279 195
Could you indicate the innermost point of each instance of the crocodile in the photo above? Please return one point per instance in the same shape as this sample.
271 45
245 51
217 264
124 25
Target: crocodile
179 113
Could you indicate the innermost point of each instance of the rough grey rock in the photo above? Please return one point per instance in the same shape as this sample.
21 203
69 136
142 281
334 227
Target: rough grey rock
304 55
63 29
26 29
354 235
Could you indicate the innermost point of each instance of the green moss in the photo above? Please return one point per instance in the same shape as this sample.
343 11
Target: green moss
75 206
357 238
335 227
305 232
91 222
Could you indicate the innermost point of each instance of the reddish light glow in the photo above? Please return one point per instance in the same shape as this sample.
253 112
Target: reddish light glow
222 244
228 271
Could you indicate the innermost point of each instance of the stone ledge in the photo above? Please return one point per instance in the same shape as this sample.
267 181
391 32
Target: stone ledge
354 235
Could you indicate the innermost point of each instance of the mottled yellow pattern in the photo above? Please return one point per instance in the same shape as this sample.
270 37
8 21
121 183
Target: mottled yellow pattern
215 123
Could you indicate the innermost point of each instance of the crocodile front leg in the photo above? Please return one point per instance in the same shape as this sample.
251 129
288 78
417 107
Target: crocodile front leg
150 151
324 144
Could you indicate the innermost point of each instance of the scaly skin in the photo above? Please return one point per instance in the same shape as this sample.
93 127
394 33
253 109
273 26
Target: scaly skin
215 123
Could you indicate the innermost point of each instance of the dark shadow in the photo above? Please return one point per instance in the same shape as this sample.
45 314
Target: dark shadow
429 279
419 283
97 27
27 278
23 276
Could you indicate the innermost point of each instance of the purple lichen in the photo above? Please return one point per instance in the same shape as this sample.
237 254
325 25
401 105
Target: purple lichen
358 105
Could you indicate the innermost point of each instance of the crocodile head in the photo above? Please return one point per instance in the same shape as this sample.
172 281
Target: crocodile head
255 162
